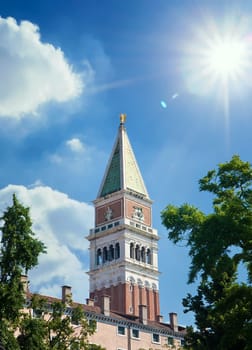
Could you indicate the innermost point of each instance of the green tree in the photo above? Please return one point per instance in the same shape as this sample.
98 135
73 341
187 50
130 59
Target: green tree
33 334
19 251
52 329
57 326
219 243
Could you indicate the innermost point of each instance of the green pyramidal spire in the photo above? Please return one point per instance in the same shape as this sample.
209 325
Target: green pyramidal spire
122 172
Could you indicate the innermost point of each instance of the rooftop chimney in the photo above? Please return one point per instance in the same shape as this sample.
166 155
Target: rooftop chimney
105 305
143 314
66 294
174 321
160 318
90 302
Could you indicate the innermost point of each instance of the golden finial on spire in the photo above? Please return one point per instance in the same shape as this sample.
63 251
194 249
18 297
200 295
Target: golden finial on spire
122 118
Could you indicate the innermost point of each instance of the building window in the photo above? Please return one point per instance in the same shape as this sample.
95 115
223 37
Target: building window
182 342
117 251
170 341
135 333
37 313
155 338
121 330
68 311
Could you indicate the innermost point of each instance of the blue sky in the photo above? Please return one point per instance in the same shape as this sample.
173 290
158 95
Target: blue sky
67 72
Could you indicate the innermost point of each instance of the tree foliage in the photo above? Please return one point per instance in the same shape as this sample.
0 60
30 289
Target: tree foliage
43 326
19 251
219 244
57 326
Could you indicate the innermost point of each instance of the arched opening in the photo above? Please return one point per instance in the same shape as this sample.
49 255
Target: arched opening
137 253
98 257
111 252
105 255
132 250
143 254
148 256
117 251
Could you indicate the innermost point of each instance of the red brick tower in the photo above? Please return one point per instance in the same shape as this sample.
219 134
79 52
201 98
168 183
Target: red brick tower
123 244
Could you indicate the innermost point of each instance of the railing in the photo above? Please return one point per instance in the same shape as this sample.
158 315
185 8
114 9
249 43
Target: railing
124 221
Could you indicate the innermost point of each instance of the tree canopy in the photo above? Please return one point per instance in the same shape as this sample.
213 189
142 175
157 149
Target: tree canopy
57 326
42 325
220 243
19 251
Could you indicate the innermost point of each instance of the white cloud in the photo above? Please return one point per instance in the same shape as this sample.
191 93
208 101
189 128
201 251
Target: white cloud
37 183
32 72
55 158
61 223
75 145
72 154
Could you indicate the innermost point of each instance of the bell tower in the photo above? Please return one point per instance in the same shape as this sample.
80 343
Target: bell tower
123 243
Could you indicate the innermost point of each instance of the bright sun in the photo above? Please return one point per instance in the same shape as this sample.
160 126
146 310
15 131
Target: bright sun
227 57
218 58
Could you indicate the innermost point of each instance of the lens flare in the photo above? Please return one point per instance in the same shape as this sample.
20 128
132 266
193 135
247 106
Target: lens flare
163 104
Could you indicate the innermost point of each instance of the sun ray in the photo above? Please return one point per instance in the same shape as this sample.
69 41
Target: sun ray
218 60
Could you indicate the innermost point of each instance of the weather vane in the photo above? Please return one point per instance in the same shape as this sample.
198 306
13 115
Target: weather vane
122 118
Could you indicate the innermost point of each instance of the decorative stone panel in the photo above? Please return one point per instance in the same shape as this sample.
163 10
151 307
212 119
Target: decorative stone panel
109 212
137 211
